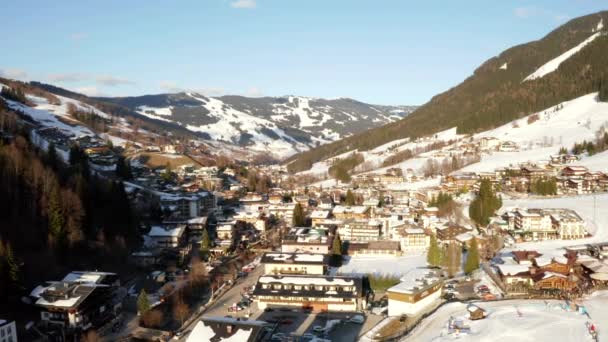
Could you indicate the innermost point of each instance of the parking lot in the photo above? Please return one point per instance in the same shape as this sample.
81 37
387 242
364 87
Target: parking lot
295 322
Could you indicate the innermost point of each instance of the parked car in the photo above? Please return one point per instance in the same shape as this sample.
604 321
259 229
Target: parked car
278 337
358 319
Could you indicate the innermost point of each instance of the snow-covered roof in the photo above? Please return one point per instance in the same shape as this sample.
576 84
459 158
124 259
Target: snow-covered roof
358 209
512 269
415 281
307 280
158 231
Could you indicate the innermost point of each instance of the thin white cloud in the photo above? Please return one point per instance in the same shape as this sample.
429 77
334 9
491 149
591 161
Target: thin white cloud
89 91
111 81
15 74
524 12
243 4
528 12
254 92
69 77
173 87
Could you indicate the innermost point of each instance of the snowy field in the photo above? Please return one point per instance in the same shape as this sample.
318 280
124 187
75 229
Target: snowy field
384 265
583 205
563 125
516 320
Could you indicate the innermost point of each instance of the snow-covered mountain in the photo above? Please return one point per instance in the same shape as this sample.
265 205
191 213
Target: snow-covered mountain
281 126
566 64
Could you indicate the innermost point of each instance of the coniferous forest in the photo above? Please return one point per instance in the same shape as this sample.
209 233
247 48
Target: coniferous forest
55 216
493 96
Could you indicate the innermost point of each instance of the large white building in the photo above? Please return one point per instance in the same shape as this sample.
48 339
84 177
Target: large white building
360 230
316 292
8 331
295 263
419 289
544 224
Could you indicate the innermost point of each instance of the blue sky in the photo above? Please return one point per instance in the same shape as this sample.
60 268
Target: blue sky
378 51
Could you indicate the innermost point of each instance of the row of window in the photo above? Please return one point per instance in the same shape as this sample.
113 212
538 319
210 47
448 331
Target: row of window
310 287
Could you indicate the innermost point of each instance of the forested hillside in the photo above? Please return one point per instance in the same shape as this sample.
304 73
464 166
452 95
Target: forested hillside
496 93
55 216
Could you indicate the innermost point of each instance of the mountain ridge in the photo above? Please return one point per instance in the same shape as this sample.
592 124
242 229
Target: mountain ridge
496 92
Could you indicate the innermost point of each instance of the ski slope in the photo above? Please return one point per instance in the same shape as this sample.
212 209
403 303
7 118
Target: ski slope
561 125
553 64
514 320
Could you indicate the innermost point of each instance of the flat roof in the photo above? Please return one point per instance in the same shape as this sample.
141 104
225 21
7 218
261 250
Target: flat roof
295 258
416 280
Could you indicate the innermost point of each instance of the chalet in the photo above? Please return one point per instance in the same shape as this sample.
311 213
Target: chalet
275 198
447 233
317 292
413 239
419 289
307 240
534 172
508 146
488 143
515 275
326 203
475 312
80 301
295 263
461 180
553 281
218 329
525 257
190 205
196 225
574 171
318 216
282 211
225 230
165 237
253 203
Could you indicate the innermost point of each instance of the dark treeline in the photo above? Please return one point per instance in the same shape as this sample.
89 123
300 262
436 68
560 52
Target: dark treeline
544 187
54 215
340 169
492 96
485 204
96 122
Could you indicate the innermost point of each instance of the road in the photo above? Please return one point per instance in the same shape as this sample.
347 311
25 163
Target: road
220 307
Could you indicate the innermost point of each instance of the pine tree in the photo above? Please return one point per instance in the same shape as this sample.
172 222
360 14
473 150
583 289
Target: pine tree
143 303
56 219
336 248
472 262
123 169
52 156
433 256
453 259
299 219
12 268
205 243
350 198
485 204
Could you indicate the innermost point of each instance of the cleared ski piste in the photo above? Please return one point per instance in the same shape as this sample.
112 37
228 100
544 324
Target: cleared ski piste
518 320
